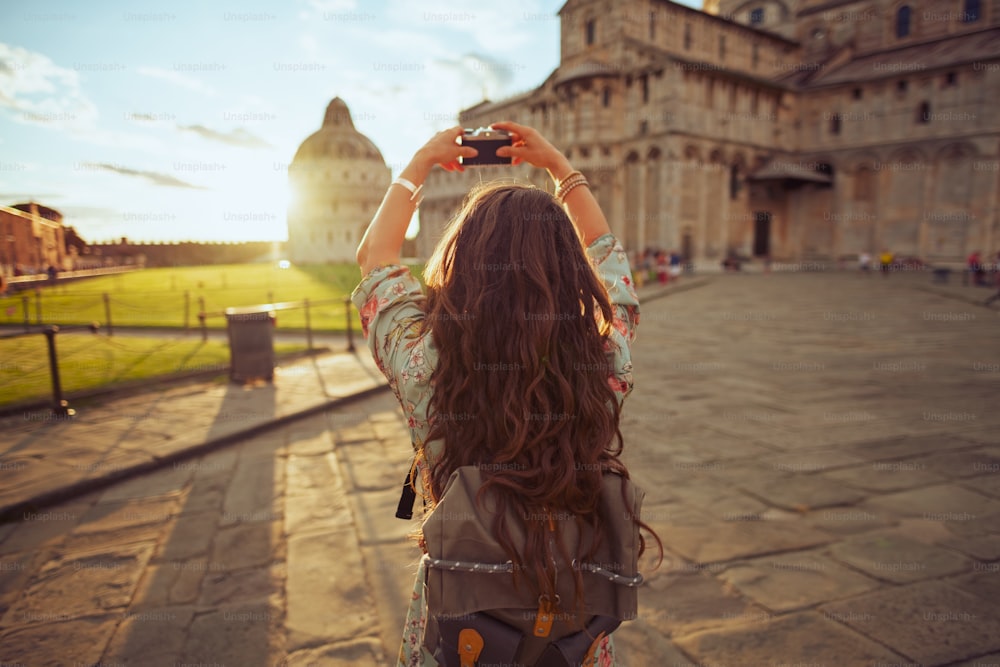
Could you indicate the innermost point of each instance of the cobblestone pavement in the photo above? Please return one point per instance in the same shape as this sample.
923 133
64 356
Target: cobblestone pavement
820 454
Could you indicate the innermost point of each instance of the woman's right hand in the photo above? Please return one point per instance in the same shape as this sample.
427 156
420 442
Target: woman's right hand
530 146
443 149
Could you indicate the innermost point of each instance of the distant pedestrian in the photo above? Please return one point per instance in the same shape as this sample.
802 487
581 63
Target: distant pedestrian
865 262
974 265
648 256
675 264
52 273
731 261
996 286
639 274
996 279
885 259
662 267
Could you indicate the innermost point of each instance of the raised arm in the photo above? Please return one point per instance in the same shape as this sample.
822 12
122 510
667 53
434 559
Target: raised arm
383 239
531 147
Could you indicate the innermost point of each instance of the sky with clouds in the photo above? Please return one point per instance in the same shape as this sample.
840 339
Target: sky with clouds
176 121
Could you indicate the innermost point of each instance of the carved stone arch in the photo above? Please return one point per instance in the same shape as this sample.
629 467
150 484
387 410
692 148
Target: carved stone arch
893 17
737 172
654 153
717 156
752 4
857 161
825 164
864 177
955 151
954 163
691 152
908 155
632 156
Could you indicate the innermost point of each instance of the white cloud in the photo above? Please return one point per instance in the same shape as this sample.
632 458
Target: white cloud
41 92
309 44
333 5
480 75
496 27
178 79
240 136
323 8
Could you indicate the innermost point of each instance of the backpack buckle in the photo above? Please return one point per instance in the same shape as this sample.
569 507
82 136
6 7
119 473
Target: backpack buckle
544 616
470 645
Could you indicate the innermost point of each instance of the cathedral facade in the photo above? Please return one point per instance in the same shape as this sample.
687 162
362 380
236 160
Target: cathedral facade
337 179
794 130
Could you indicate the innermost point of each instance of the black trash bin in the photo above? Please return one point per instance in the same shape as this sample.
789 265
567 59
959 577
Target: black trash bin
251 344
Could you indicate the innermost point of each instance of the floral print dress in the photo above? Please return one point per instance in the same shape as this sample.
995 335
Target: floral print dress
391 304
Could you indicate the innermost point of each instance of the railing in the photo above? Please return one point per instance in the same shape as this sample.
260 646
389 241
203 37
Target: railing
37 307
17 283
305 304
60 406
26 310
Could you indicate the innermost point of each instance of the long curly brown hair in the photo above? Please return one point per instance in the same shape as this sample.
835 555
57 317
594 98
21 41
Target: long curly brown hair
521 321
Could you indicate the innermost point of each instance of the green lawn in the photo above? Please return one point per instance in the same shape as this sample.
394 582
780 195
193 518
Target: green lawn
157 297
88 361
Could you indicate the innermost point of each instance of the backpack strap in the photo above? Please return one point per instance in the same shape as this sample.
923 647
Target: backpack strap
404 510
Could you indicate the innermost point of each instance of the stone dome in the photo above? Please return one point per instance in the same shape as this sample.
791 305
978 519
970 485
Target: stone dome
337 139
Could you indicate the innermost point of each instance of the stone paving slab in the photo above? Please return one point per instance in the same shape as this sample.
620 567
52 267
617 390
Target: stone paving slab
897 559
804 639
991 660
795 581
681 601
717 541
930 622
136 433
886 476
943 502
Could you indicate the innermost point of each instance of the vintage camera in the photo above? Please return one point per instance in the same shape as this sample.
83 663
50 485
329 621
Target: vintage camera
486 141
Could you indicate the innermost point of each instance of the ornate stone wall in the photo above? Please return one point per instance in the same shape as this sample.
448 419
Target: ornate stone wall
816 133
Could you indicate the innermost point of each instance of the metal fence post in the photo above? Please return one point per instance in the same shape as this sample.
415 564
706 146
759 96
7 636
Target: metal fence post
107 313
309 333
350 332
201 318
27 318
38 306
59 406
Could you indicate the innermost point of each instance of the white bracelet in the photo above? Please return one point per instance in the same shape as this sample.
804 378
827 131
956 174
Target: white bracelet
414 190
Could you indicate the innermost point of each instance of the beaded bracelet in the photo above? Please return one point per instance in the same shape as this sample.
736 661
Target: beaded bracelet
573 175
567 184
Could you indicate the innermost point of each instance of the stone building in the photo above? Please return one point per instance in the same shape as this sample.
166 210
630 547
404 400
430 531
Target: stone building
31 238
337 180
795 129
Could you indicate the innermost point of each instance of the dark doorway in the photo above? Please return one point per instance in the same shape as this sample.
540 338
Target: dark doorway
761 234
687 245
